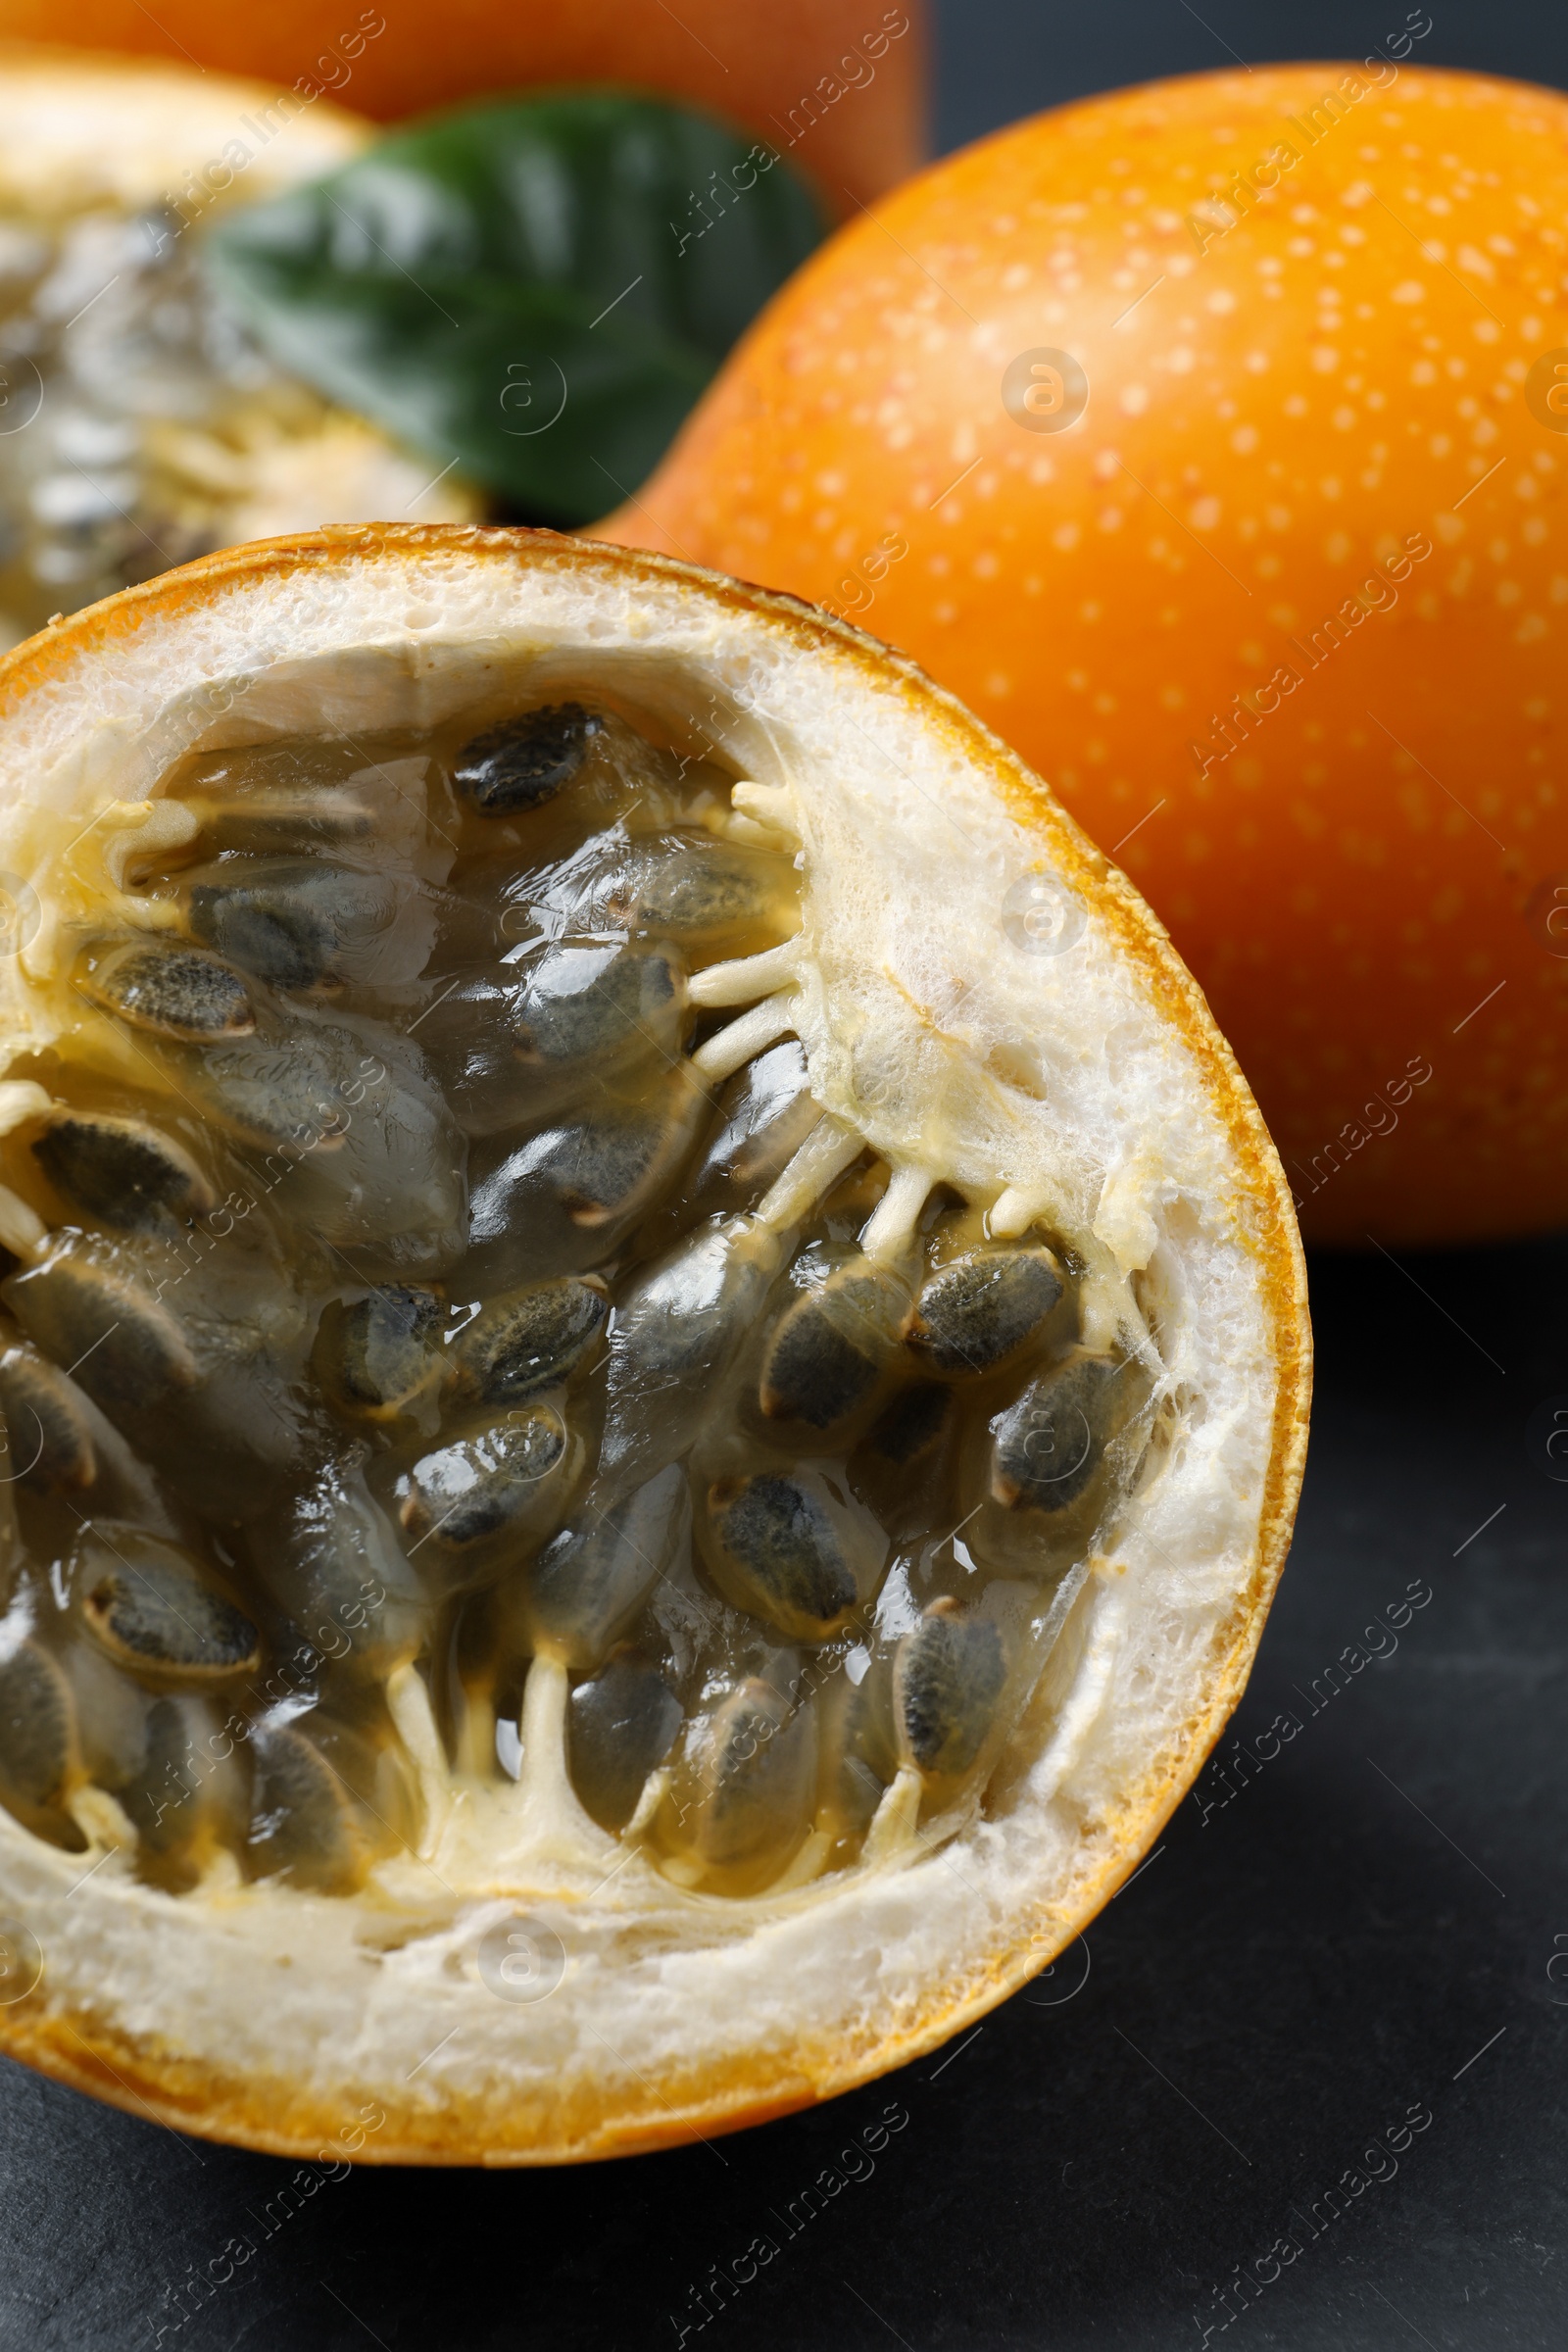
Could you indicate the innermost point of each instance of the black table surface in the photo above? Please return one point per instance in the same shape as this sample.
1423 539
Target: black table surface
1301 2085
1330 2011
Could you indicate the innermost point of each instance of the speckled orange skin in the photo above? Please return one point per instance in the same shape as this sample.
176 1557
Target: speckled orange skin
764 66
1277 410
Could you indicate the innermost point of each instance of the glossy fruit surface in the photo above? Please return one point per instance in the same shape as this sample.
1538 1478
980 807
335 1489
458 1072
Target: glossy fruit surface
1209 439
837 84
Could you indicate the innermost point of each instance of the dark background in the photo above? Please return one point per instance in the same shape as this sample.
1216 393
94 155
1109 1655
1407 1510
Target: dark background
1296 1971
1000 58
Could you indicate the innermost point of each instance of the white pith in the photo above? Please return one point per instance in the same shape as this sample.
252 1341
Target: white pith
76 131
1041 1085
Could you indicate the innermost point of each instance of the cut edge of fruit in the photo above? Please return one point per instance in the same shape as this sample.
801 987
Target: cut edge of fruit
92 2052
725 2095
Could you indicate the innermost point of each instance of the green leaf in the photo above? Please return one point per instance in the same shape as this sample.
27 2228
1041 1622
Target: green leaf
535 289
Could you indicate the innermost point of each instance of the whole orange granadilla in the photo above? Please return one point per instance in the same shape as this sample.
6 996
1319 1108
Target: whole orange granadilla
1210 439
837 84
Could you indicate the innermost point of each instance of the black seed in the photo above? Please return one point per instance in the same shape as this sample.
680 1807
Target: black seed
782 1553
487 1484
303 1823
48 1438
162 1797
285 940
707 896
533 1339
705 893
339 1572
37 1730
591 1003
828 1350
1047 1448
585 1588
901 1466
150 1608
292 921
174 992
286 1093
769 1113
374 1357
859 1750
126 1348
381 1171
978 1310
677 1332
621 1726
513 1041
912 1426
946 1681
122 1172
607 1165
308 1090
744 1784
525 760
606 1168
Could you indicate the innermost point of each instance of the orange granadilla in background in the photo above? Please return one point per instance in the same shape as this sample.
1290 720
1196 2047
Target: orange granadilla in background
1210 440
837 84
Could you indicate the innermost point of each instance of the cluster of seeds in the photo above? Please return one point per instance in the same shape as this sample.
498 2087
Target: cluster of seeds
422 1283
139 424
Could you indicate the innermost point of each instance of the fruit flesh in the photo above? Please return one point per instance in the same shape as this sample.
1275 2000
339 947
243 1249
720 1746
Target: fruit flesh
451 1381
1124 1042
152 424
